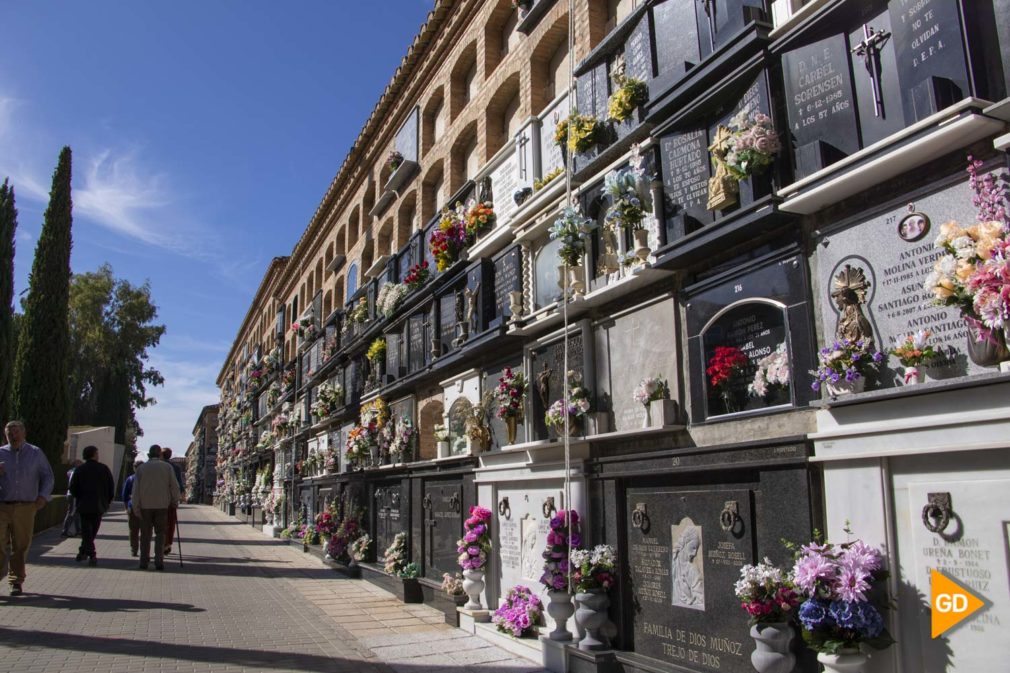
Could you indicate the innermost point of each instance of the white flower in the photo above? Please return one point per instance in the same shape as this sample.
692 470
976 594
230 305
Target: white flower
964 247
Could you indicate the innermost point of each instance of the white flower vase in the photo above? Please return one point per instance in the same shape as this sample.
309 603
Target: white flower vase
914 376
642 249
576 282
473 584
444 449
662 412
647 421
771 648
560 609
846 661
843 387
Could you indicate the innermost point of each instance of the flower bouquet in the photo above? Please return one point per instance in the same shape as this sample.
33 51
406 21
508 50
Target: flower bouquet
725 368
913 351
510 394
575 407
836 580
577 133
772 373
561 538
629 94
479 218
650 389
377 350
358 549
395 558
360 441
359 312
766 593
417 275
844 366
348 532
450 237
394 160
627 210
753 145
390 296
571 228
325 524
402 439
452 585
520 613
475 546
593 569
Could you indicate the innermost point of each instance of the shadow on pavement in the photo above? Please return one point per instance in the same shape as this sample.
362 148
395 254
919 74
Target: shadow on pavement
34 600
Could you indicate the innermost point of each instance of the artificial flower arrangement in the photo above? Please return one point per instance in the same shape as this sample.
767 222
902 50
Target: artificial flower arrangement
281 422
326 524
449 238
914 350
480 217
348 532
973 271
836 580
377 350
562 537
273 393
395 558
767 593
287 381
540 183
394 160
417 275
576 406
409 571
266 439
627 97
724 370
520 612
452 585
272 361
510 394
651 389
578 133
846 360
255 375
772 373
398 439
571 228
390 296
358 549
374 412
627 210
753 144
474 547
360 440
441 432
329 397
593 570
358 313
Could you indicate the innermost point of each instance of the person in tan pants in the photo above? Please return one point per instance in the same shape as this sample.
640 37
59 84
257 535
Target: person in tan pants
155 489
26 484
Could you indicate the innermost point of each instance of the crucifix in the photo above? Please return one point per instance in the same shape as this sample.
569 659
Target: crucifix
521 143
709 6
869 51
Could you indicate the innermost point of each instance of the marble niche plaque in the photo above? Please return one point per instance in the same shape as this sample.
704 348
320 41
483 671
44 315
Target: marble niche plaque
973 549
507 278
547 376
443 527
522 534
551 156
505 180
685 162
388 498
685 550
418 343
896 265
875 80
676 42
631 348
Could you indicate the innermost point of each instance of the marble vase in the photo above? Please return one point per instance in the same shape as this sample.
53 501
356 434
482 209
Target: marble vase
771 648
473 584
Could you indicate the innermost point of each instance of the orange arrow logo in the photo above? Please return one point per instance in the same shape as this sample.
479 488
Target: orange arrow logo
951 603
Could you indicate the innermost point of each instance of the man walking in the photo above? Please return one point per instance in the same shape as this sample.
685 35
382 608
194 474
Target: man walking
72 518
134 520
154 491
94 488
173 512
26 484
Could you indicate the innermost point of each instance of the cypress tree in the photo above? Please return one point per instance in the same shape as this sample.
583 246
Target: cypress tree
41 396
8 226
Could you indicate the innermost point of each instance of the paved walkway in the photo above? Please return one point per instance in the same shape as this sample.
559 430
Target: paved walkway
242 602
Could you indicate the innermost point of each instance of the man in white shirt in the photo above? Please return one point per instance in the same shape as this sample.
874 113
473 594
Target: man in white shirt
155 489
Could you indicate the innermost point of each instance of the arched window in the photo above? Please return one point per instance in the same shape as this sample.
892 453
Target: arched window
352 280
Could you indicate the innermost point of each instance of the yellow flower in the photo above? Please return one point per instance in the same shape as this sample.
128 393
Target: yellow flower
949 231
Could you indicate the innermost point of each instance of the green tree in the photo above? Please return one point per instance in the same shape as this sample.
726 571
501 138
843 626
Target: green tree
111 329
8 226
40 369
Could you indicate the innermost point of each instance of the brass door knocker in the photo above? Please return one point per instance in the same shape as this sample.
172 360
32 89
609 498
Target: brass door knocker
640 517
730 515
426 501
936 514
454 502
503 507
549 509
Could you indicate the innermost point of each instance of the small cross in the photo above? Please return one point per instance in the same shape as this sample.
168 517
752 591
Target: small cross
869 51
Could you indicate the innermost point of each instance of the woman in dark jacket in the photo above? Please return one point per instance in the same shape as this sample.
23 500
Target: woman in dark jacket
94 488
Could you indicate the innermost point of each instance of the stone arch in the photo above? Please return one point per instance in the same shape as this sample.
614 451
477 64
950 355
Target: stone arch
502 114
430 415
500 35
432 192
462 80
405 217
463 159
433 120
550 56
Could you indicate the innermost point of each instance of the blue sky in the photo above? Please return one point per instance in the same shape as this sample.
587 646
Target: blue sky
204 135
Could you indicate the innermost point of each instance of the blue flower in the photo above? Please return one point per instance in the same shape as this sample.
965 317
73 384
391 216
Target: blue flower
816 385
878 356
814 615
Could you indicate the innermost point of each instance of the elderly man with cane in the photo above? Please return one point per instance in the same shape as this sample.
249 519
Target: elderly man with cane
155 489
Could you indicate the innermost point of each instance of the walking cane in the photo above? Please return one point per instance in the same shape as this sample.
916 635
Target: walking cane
178 537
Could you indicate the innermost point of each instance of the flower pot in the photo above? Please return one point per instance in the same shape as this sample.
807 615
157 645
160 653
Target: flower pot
647 422
843 387
516 304
642 249
591 615
846 661
511 427
771 653
987 353
374 455
576 282
662 413
560 609
574 427
444 449
914 375
473 584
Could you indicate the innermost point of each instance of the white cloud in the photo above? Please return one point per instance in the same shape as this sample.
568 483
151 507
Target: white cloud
189 386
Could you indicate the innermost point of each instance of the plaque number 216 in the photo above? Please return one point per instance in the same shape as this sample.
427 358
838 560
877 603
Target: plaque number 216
737 289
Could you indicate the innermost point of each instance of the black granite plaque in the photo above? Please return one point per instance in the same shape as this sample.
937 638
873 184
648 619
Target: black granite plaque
720 20
388 503
820 104
877 121
685 549
499 433
443 527
584 87
685 161
406 137
676 41
416 355
393 348
548 375
447 316
638 51
601 90
930 52
507 278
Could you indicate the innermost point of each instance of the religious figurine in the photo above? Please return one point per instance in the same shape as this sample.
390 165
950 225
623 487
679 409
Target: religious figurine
688 584
849 293
608 260
485 193
471 306
722 187
544 385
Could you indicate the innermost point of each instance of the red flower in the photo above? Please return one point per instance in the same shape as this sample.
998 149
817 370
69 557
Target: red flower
724 364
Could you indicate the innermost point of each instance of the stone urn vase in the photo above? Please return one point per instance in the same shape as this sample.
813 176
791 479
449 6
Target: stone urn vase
846 661
591 615
560 609
771 653
914 375
574 427
843 387
642 249
511 428
576 274
473 584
